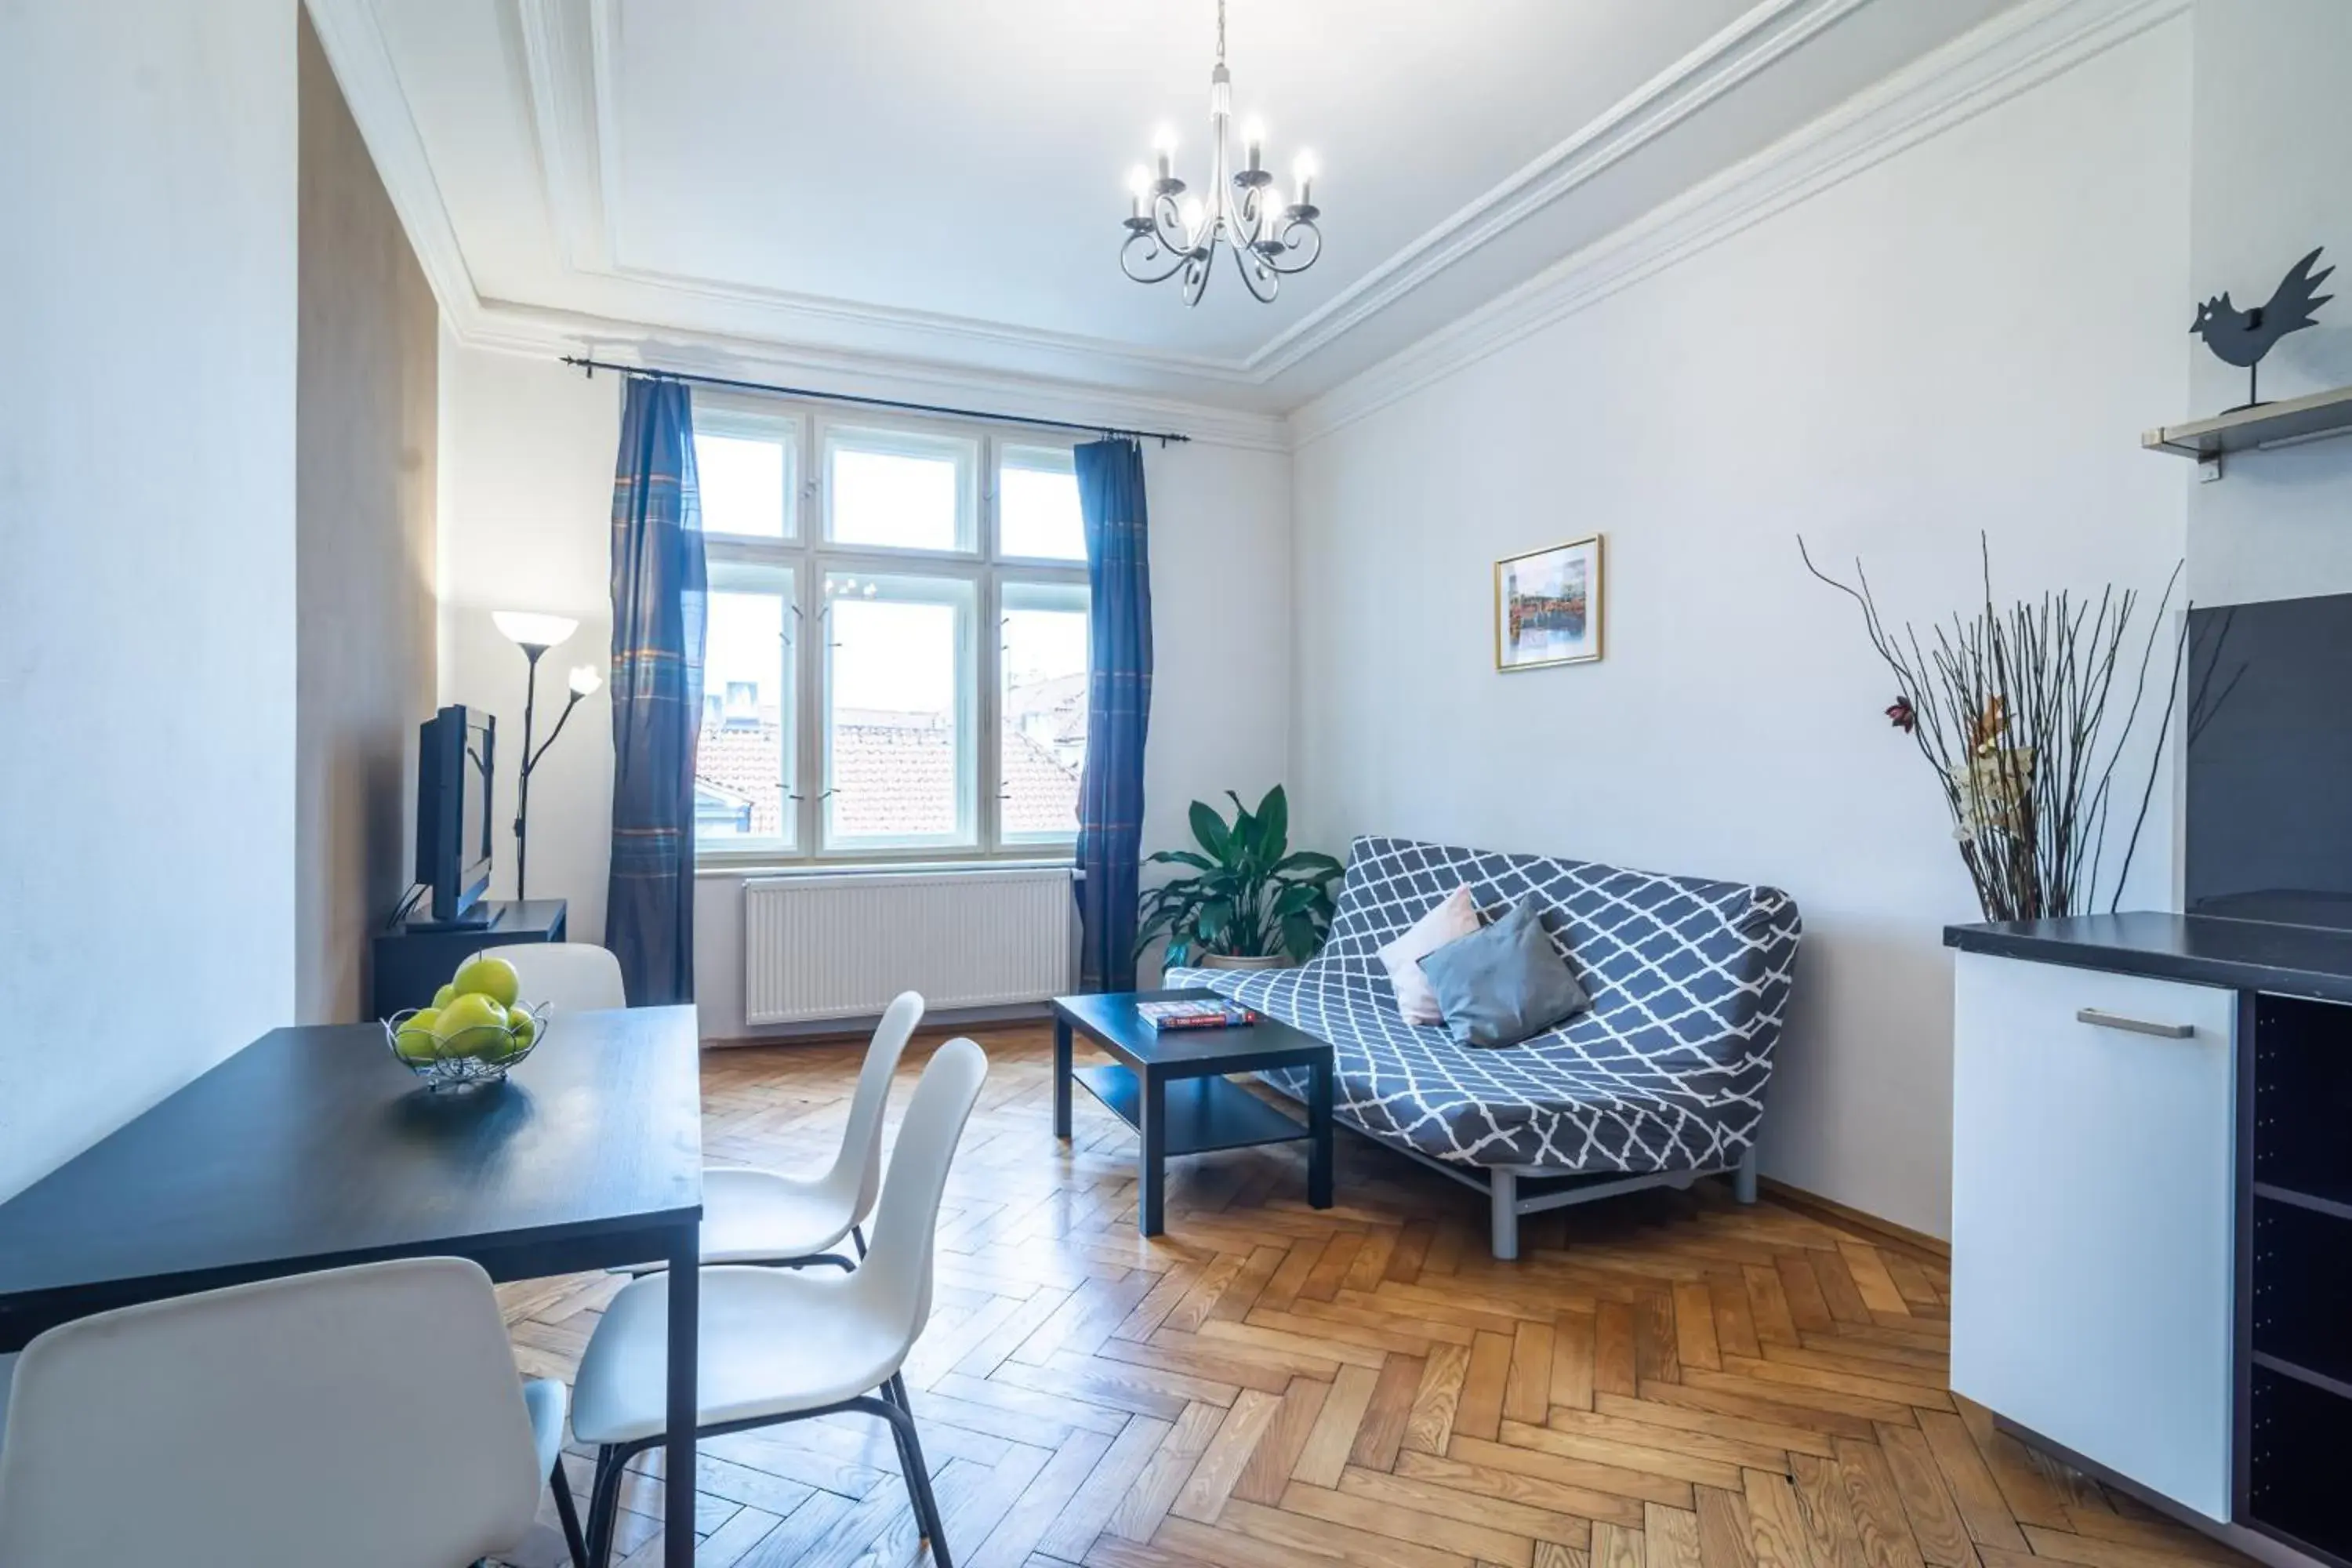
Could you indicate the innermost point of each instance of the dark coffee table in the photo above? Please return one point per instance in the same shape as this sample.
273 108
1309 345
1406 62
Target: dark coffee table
1171 1088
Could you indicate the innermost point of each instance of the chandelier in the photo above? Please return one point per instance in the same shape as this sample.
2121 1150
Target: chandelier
1171 234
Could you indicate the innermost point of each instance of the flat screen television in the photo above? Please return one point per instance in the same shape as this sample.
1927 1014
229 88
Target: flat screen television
2269 762
456 751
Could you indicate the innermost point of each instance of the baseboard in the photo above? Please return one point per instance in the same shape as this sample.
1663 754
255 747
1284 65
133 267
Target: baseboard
1836 1213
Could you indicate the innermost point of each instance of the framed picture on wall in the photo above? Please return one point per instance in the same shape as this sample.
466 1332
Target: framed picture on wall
1548 606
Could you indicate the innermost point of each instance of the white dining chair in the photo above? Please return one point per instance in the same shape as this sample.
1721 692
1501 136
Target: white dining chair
784 1344
575 976
752 1216
372 1413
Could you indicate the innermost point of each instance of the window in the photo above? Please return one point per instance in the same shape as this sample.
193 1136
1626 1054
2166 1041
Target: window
898 750
1037 504
899 490
743 768
895 658
1041 708
745 465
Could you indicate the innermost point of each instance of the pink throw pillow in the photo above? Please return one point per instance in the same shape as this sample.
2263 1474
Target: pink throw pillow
1455 916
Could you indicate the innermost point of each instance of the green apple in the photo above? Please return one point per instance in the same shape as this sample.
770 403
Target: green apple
446 994
485 975
525 1027
483 1042
471 1010
417 1041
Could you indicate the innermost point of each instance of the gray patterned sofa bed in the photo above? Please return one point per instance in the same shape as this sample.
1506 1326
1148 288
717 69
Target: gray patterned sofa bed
1661 1081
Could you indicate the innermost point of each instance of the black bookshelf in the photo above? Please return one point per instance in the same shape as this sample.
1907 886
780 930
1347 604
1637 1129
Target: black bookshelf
2294 1321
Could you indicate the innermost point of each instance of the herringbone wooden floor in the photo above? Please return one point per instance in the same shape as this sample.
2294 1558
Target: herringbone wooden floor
1667 1381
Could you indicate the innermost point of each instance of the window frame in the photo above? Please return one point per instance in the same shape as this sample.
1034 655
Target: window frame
810 558
970 452
734 417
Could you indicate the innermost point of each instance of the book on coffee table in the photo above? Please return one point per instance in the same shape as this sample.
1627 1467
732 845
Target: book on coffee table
1196 1013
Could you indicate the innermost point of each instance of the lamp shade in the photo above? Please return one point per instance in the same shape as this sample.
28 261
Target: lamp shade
585 679
531 629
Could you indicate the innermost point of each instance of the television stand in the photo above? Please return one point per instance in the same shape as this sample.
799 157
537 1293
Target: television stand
478 918
414 958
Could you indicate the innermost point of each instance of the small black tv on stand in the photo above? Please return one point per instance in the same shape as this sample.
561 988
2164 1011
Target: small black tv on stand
457 753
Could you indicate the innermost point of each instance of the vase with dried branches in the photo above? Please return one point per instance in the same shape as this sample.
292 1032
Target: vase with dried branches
2023 713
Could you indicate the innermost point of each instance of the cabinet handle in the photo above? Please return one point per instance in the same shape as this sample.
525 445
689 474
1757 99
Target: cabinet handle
2099 1020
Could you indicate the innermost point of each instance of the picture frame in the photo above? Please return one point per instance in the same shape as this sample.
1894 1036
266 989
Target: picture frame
1548 606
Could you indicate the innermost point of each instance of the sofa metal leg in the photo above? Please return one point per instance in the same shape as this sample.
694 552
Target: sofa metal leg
1743 1176
1503 1196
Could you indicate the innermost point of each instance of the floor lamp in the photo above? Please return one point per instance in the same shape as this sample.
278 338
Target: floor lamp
535 634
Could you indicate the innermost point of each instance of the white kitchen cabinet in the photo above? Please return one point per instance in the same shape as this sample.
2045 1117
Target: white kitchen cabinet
2093 1209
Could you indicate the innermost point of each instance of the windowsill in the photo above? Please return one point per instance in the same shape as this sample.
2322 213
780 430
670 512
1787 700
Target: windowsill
1045 860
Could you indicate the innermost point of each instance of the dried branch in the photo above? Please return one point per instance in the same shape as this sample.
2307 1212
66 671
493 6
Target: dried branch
2017 712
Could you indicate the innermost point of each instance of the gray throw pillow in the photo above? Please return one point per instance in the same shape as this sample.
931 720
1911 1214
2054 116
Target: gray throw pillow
1504 984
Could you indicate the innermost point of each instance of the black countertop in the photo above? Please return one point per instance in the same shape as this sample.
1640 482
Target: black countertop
2202 949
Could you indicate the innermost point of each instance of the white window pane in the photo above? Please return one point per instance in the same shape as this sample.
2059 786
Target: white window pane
898 754
898 492
744 482
743 759
1043 719
1037 505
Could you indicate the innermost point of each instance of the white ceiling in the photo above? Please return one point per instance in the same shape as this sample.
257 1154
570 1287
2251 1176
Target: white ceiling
939 181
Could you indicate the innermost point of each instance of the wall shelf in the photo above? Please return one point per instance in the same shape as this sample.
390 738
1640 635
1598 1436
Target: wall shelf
2311 418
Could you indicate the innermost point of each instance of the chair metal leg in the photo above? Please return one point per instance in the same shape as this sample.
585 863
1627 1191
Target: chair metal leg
612 1463
919 1480
908 1466
605 1504
568 1514
858 1235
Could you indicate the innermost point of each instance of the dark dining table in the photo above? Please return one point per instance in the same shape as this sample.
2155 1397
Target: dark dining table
313 1148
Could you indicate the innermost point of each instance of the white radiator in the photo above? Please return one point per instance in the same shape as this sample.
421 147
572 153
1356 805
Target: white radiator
842 946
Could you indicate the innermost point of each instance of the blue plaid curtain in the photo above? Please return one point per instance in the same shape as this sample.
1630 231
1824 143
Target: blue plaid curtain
1118 710
659 590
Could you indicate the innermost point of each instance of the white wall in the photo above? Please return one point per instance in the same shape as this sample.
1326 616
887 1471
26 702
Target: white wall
1968 335
147 508
2274 117
527 449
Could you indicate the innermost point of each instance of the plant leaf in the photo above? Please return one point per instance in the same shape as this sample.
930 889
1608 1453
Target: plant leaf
1182 857
1274 825
1210 830
1300 937
1245 833
1210 921
1296 898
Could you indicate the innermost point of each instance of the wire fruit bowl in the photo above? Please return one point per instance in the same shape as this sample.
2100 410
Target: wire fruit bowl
483 1053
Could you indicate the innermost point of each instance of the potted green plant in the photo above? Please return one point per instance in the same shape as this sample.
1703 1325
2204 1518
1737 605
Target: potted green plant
1249 902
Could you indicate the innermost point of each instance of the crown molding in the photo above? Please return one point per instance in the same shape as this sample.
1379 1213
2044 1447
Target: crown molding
572 111
560 65
355 47
567 47
506 328
1754 40
570 45
2011 53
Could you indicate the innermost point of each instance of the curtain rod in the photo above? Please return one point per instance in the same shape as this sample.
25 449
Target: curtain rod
591 366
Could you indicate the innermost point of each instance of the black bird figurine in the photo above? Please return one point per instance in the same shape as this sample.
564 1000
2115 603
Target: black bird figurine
2243 337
